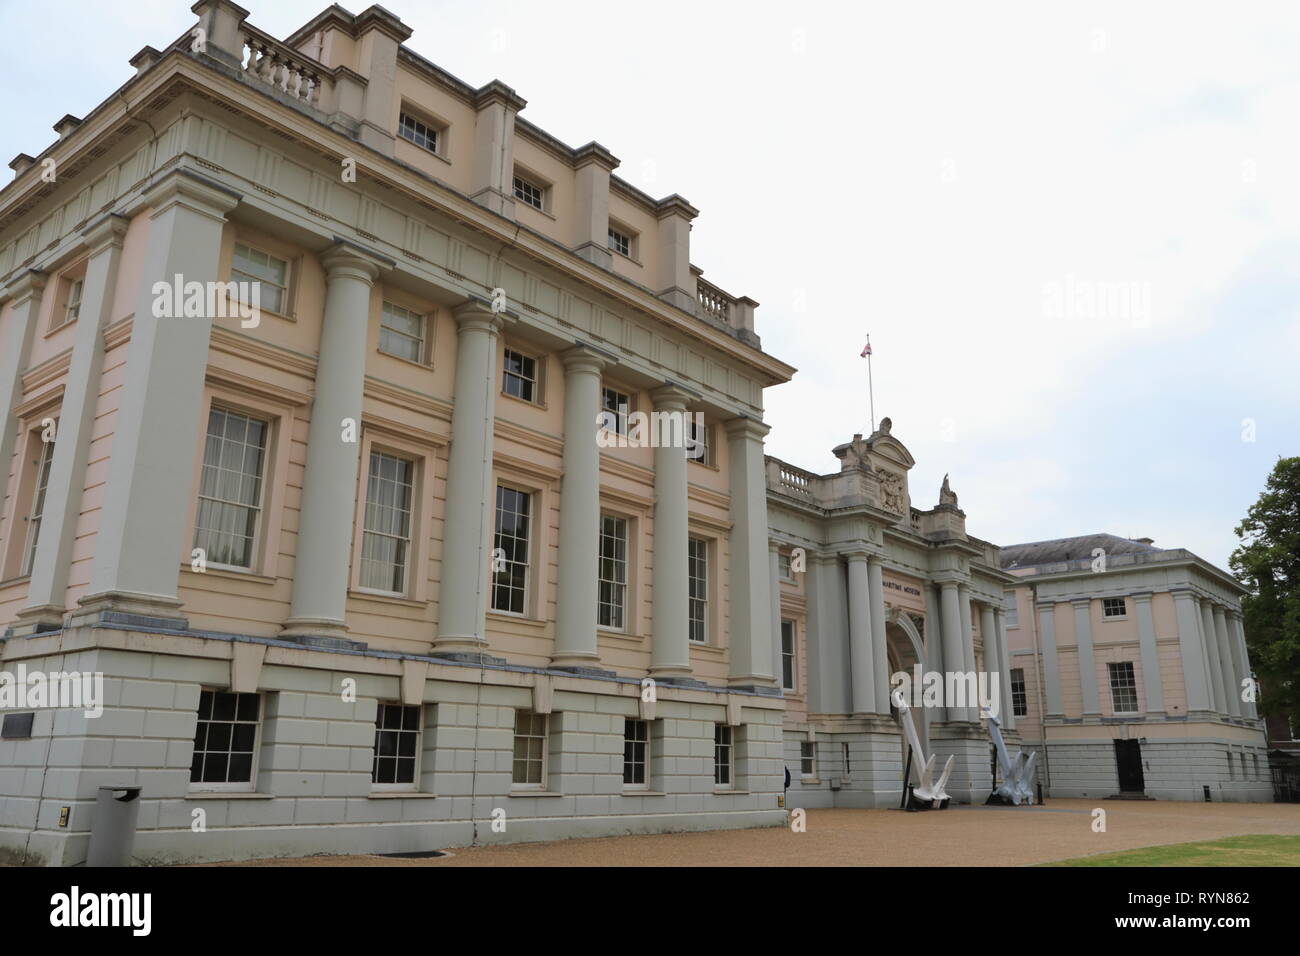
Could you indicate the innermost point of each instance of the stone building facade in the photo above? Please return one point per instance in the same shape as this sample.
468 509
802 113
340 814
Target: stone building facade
1131 673
402 479
323 554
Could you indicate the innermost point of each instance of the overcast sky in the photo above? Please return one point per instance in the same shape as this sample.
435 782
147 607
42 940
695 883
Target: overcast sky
1073 235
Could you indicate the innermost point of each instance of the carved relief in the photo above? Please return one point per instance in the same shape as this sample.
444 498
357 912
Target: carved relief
891 491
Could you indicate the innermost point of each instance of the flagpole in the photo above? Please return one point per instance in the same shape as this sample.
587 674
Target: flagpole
871 390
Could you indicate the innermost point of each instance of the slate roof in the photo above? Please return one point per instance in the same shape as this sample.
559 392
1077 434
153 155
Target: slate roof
1058 550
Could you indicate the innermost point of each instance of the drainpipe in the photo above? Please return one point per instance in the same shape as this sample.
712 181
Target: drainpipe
1038 673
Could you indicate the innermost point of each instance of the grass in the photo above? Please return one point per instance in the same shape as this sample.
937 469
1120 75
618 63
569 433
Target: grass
1257 849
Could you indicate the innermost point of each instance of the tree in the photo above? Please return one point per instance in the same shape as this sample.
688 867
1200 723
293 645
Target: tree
1268 565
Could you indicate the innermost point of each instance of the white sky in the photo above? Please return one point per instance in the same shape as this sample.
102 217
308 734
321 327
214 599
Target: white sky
927 173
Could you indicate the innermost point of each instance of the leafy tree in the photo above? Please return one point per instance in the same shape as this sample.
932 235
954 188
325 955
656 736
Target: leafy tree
1268 564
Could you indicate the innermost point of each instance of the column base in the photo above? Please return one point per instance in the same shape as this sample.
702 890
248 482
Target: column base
36 620
459 644
296 628
972 772
129 609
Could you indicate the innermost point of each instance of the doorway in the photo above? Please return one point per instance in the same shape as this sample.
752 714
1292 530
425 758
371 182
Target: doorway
1128 761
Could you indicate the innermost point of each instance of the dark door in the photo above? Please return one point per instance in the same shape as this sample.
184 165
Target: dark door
1128 760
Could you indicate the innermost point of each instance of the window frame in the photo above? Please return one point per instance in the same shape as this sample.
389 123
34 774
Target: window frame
793 655
708 459
379 437
70 280
258 540
530 544
399 787
621 422
507 349
646 743
545 737
1111 673
691 599
724 740
785 566
1107 603
1019 707
237 275
808 759
626 561
36 504
424 342
282 415
615 232
412 521
437 128
522 180
230 786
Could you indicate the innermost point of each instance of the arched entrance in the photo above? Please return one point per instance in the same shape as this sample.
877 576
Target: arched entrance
905 649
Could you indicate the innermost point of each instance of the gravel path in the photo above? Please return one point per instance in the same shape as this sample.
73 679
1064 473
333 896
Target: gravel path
970 836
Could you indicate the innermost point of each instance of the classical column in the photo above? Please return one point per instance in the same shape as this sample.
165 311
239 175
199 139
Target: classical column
751 637
1238 634
47 588
967 644
24 295
471 504
954 657
578 586
670 652
1231 680
1192 651
817 625
861 653
1150 656
1004 658
1051 662
1087 660
329 485
879 651
146 500
1214 665
992 655
774 576
934 642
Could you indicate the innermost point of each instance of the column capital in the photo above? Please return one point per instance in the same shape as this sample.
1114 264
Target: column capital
774 546
1081 602
1143 596
585 358
746 427
199 193
27 285
346 258
671 397
474 313
857 556
105 232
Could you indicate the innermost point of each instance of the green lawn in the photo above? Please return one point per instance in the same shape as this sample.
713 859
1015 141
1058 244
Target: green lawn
1254 850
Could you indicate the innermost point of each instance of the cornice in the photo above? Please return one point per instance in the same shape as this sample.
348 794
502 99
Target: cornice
189 74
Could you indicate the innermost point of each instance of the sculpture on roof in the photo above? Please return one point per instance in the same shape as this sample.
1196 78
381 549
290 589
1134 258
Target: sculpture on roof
1017 784
946 495
885 426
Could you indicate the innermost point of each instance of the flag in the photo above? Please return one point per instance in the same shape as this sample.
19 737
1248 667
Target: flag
866 351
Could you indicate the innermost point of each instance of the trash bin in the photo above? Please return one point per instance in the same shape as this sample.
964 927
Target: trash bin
112 829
